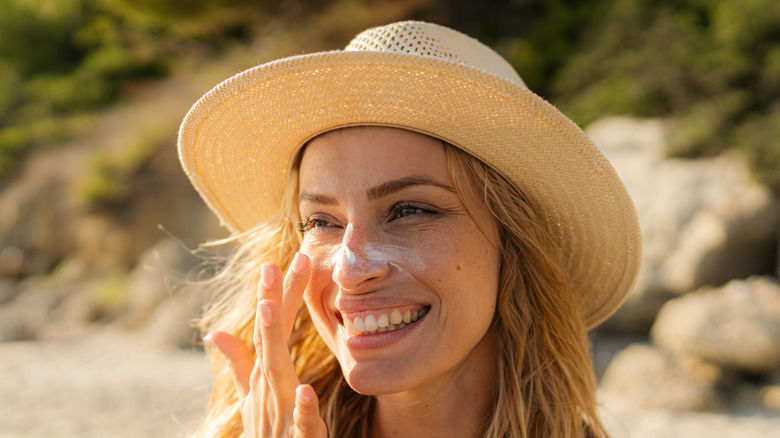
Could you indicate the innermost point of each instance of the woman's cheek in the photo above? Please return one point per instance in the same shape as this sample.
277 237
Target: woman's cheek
322 260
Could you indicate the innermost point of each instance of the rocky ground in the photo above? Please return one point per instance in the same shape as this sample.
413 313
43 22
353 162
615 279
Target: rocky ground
111 383
100 384
624 421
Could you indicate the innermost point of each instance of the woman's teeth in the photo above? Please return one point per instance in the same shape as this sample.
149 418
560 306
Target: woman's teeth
383 322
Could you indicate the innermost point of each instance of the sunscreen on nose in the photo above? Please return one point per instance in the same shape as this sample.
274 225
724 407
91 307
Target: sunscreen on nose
347 255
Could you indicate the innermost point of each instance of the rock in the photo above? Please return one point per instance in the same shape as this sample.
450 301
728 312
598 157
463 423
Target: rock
729 240
11 262
770 394
88 298
26 316
172 323
80 308
8 290
737 326
33 231
157 277
770 397
649 377
703 221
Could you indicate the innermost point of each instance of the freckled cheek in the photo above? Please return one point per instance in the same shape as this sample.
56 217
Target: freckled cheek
471 268
322 257
322 261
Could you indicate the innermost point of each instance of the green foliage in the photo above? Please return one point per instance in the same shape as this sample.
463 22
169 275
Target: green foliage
713 66
109 181
15 140
110 294
757 138
59 58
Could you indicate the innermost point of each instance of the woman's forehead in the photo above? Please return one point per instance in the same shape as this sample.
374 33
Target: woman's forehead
365 155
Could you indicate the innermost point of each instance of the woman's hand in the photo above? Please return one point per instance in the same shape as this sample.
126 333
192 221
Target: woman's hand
273 402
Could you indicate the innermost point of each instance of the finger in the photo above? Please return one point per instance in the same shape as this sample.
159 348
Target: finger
307 413
268 280
239 356
269 288
274 355
277 365
294 286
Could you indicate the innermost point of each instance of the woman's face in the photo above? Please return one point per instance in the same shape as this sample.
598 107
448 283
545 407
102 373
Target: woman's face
404 282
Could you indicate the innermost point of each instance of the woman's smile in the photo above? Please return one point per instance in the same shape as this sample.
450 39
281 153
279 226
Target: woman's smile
404 282
369 322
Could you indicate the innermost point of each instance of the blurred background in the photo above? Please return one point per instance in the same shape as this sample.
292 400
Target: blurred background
98 224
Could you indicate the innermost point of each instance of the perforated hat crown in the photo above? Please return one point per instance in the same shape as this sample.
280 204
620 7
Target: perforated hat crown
425 39
238 141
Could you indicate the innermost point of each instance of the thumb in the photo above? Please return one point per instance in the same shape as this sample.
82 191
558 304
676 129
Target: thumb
307 413
239 356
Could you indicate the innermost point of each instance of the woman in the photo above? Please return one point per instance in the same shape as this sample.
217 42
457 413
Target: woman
451 234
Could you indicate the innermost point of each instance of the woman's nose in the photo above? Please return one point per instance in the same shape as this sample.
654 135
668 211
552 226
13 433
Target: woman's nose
355 270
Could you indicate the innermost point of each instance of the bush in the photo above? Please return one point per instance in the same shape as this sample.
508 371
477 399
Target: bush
713 66
59 58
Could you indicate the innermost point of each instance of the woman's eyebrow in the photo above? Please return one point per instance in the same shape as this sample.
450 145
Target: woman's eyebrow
317 198
395 185
377 191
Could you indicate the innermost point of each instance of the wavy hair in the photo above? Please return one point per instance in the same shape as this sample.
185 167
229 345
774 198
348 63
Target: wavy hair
546 385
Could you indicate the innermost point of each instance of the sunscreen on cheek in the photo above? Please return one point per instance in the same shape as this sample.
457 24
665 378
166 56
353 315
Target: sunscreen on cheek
402 258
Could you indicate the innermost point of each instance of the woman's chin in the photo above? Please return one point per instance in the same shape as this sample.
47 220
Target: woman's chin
372 380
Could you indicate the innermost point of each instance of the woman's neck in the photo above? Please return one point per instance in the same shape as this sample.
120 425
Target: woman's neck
458 403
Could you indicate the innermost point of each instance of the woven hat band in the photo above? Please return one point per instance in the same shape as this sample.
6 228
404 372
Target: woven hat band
434 41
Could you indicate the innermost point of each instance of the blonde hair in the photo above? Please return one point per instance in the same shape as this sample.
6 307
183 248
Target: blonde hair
546 386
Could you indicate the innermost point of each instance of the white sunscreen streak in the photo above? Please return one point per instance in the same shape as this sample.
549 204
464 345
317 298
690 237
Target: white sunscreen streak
396 256
344 255
349 256
373 255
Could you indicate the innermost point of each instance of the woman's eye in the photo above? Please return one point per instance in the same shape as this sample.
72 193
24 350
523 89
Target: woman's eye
407 210
311 224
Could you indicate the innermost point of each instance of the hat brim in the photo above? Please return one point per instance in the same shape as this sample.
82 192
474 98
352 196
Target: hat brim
237 141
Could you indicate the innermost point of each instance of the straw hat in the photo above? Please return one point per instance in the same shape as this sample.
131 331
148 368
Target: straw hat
237 141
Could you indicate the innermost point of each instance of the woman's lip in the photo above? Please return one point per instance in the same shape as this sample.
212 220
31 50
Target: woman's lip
387 319
365 342
362 312
353 302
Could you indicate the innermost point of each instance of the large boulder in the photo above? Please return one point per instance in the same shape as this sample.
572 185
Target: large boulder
770 393
649 377
36 212
163 301
173 322
736 326
159 275
731 239
29 314
703 221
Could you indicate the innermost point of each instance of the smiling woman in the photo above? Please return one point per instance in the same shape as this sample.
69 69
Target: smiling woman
416 251
448 238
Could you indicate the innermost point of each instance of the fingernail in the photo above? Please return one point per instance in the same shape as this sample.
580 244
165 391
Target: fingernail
302 397
266 276
207 340
298 264
266 314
